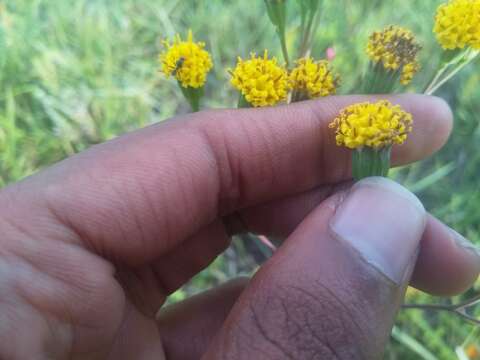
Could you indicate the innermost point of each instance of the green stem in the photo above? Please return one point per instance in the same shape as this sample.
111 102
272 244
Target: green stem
283 43
304 47
195 103
436 78
450 75
462 60
314 28
368 162
309 26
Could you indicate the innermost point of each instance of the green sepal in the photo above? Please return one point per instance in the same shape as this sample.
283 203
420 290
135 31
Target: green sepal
368 162
242 102
193 96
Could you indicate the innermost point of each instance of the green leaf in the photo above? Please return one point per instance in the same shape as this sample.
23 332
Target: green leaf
412 344
276 11
433 178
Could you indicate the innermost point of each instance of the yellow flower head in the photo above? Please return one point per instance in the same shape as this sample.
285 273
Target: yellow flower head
457 24
395 48
188 61
376 125
260 80
314 77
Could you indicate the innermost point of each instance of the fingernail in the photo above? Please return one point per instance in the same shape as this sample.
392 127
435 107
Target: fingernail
465 244
384 223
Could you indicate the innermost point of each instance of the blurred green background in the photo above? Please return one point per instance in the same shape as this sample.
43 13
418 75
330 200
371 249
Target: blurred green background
78 72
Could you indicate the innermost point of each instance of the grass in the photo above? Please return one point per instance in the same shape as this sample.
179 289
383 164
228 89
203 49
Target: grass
78 72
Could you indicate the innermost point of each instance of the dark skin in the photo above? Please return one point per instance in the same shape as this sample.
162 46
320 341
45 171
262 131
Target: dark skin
92 247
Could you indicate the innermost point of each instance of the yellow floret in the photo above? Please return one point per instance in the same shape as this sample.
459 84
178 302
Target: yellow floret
260 80
188 61
457 24
395 48
408 72
376 125
314 77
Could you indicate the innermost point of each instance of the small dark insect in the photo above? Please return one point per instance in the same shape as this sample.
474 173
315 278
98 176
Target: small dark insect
178 65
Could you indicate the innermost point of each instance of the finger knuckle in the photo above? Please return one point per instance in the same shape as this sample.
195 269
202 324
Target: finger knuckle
309 323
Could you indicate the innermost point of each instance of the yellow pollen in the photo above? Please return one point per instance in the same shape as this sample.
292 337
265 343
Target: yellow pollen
187 61
457 24
314 77
260 80
376 125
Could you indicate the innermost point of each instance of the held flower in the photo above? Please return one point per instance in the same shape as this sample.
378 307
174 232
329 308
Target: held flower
312 79
187 61
371 129
393 54
260 80
457 24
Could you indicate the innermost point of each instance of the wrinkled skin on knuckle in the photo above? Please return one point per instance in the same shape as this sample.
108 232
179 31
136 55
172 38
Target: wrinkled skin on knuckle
309 324
311 320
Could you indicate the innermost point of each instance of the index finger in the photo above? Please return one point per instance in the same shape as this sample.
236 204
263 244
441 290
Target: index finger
138 196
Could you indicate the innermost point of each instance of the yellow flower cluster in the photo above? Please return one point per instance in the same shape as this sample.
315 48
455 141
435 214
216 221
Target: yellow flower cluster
457 24
260 80
315 78
396 49
376 125
188 61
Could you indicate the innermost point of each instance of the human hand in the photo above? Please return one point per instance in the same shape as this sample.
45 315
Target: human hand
92 246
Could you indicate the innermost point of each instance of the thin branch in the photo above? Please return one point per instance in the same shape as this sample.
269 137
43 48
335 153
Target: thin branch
457 309
440 79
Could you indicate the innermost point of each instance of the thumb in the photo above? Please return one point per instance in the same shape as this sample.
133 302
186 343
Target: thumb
333 289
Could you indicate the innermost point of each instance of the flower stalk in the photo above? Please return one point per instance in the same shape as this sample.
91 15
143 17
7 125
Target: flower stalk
309 12
450 69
